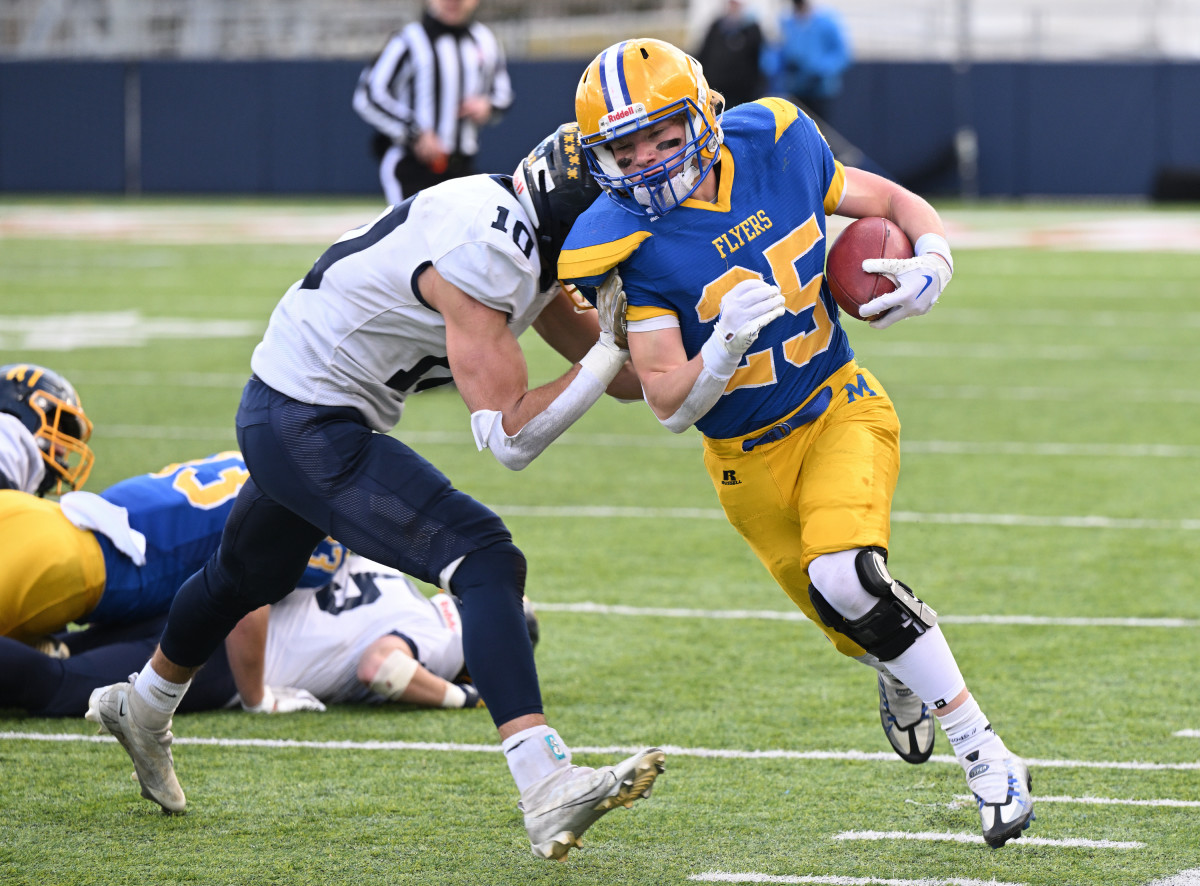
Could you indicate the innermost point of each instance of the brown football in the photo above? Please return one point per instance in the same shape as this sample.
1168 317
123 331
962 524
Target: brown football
862 239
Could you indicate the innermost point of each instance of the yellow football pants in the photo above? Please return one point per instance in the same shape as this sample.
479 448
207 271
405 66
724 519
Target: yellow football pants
826 486
51 573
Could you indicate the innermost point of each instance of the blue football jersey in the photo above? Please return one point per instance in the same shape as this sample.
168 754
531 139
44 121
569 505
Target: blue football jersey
778 182
181 511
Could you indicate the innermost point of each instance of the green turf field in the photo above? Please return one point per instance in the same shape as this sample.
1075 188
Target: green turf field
1047 508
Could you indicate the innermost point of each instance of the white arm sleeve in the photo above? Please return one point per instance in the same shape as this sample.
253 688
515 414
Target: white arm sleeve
708 388
597 369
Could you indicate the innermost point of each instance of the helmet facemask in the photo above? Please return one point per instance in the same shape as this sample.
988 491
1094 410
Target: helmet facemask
659 188
62 439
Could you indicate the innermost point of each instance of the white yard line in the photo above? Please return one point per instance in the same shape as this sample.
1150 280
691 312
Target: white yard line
664 441
588 608
1019 520
1183 878
1056 394
609 750
748 877
1026 841
1105 801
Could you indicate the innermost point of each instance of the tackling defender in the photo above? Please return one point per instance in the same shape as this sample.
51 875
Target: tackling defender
435 290
716 223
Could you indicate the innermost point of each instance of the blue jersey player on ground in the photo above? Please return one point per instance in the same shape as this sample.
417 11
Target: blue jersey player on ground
716 224
120 556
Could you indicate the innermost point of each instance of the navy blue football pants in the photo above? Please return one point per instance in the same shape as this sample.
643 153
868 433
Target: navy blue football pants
318 471
100 655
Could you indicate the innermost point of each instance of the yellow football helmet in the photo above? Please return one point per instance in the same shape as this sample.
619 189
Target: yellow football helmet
630 86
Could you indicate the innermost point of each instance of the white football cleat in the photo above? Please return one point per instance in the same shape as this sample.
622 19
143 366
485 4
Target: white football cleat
560 807
907 721
112 709
1001 785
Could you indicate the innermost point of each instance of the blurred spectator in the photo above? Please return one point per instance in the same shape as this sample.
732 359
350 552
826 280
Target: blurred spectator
730 55
436 82
807 63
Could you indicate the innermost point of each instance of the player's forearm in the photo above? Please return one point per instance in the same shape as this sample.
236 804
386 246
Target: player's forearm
516 438
246 647
706 389
666 391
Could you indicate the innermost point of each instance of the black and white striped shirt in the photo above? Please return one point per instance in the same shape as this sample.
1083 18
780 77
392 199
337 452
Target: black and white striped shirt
419 81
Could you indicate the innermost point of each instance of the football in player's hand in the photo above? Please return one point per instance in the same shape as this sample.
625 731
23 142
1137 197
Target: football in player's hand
862 239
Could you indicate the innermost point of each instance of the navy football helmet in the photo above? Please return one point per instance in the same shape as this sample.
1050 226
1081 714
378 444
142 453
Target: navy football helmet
554 185
47 405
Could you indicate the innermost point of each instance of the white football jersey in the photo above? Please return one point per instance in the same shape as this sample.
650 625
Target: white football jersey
354 332
316 636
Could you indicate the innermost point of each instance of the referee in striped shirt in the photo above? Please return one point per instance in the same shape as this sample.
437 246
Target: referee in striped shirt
436 82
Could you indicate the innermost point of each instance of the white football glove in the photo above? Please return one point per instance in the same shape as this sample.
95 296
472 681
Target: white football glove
610 309
919 281
285 700
745 310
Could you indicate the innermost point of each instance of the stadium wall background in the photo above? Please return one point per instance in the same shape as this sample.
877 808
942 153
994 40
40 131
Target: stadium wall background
287 127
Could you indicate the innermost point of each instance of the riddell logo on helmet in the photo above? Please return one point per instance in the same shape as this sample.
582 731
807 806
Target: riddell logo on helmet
619 116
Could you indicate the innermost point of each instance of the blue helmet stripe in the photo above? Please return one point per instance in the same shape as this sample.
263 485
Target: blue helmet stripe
612 77
626 98
604 80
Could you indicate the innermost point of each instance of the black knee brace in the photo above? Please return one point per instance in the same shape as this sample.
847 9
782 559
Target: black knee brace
893 624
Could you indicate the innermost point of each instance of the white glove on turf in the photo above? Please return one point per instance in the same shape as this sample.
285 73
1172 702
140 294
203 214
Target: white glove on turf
919 282
745 310
285 700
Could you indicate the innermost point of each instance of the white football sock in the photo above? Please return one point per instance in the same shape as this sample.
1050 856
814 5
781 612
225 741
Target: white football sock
534 753
928 668
968 729
160 695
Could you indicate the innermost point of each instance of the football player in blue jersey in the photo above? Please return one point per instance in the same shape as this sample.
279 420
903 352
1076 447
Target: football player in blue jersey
43 431
715 220
434 291
120 556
